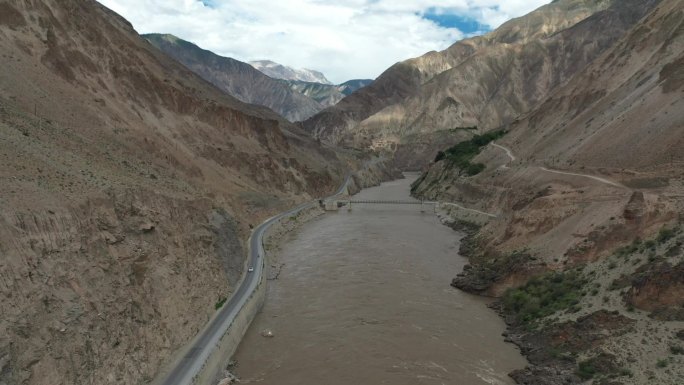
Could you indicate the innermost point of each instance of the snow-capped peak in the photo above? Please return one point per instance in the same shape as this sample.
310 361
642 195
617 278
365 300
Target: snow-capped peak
280 71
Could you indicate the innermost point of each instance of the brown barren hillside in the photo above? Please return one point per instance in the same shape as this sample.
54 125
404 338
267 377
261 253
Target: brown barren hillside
127 189
597 164
588 193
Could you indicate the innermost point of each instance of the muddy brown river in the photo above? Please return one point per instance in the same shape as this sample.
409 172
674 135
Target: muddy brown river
364 298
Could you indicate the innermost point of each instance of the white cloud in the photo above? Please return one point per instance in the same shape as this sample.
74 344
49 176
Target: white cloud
344 39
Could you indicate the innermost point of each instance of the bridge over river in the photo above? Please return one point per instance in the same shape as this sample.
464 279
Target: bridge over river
336 204
390 202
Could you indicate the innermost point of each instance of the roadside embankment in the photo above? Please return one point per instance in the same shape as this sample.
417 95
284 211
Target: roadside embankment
215 366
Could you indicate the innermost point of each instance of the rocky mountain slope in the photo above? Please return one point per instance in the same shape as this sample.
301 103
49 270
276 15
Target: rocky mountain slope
328 94
586 192
128 186
350 86
279 71
486 81
238 79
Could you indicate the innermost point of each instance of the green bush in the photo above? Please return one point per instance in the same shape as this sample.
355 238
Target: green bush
662 363
603 365
544 295
676 349
460 154
220 302
625 372
463 128
665 235
474 168
586 369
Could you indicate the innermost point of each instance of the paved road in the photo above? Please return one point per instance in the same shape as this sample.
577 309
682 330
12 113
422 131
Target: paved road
191 363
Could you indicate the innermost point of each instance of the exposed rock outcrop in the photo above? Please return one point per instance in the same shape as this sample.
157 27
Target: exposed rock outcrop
660 290
551 351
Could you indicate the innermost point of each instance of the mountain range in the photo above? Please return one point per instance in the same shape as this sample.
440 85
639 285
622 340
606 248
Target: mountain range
282 89
328 95
279 71
485 81
238 79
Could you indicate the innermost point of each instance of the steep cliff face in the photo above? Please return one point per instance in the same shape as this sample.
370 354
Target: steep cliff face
238 79
127 188
484 81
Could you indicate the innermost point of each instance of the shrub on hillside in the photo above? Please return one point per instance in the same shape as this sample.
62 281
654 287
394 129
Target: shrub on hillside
665 235
544 295
474 168
461 154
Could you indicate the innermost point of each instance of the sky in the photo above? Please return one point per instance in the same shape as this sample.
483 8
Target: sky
344 39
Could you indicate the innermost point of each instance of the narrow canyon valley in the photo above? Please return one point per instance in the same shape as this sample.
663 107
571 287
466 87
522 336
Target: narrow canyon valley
175 179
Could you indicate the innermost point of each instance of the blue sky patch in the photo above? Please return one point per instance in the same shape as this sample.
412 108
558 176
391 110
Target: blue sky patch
447 19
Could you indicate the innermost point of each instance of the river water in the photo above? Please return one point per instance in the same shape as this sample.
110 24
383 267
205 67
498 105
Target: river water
364 298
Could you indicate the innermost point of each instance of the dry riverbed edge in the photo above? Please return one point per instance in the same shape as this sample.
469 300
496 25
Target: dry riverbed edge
608 337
